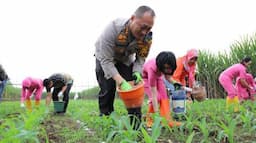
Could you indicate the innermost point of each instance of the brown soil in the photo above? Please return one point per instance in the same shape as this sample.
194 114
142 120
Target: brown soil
59 129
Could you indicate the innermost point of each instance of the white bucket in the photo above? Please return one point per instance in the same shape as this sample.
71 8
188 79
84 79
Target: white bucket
178 102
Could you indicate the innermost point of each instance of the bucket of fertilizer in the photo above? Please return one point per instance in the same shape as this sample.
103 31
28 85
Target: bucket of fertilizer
178 102
58 106
132 98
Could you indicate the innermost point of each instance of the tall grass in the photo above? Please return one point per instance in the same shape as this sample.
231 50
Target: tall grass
211 65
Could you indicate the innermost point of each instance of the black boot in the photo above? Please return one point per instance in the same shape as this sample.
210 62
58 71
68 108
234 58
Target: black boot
135 117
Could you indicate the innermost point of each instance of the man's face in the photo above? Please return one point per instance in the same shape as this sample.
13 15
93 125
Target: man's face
140 26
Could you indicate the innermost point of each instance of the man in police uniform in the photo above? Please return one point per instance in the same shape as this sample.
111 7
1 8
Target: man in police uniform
120 53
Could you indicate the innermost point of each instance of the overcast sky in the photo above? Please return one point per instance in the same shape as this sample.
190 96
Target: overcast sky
38 38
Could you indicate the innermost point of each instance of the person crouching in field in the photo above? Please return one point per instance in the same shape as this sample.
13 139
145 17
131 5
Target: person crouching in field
243 92
3 80
61 84
121 50
152 74
185 71
227 77
31 86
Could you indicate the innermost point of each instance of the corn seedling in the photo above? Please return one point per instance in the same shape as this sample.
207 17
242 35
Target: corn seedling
155 131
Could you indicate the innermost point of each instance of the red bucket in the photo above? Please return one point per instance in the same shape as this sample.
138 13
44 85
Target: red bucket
132 98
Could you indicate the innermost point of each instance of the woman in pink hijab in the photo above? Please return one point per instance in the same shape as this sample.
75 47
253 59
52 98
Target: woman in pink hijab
243 92
186 67
29 86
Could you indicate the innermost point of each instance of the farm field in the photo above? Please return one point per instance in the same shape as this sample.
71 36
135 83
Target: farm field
207 121
204 122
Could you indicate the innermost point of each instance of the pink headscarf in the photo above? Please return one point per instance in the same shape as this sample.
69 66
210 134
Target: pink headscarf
26 82
190 68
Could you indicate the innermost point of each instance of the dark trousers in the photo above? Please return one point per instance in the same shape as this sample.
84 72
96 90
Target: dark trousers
2 86
65 95
108 90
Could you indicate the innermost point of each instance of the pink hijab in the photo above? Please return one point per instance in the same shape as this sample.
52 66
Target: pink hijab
190 68
26 82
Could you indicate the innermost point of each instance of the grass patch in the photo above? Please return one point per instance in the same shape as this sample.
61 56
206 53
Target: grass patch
206 121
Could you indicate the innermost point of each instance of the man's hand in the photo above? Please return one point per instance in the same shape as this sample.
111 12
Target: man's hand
22 105
60 94
137 77
125 85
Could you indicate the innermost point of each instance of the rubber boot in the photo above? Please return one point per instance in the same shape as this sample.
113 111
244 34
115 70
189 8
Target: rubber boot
232 103
37 103
166 113
149 119
135 117
28 105
236 102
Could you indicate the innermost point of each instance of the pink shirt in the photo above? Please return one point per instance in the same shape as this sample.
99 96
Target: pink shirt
153 78
243 93
236 70
30 85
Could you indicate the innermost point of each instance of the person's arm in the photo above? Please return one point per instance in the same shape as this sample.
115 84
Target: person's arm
177 75
61 83
154 98
152 81
105 52
38 92
23 95
170 79
192 80
245 84
242 75
63 89
138 64
118 78
48 96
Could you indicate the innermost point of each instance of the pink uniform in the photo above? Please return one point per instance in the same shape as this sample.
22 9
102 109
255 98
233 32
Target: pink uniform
30 85
153 78
244 93
227 77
